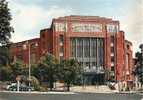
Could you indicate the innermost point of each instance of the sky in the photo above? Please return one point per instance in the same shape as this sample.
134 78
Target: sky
30 16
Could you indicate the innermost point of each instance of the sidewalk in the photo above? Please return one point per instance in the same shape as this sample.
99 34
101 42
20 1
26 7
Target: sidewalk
77 89
93 89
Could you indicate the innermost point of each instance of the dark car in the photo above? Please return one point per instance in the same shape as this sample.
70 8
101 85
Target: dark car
21 88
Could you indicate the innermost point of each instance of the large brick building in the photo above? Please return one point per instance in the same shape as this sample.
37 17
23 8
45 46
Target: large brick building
96 42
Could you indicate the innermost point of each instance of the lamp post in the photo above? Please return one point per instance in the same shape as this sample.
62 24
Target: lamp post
29 60
29 65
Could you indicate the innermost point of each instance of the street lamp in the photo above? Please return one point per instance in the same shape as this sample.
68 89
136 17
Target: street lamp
29 58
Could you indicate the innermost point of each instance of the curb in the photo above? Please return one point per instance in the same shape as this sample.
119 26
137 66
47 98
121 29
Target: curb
36 92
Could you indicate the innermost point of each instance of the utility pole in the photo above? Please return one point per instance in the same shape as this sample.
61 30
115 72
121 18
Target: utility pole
29 66
29 60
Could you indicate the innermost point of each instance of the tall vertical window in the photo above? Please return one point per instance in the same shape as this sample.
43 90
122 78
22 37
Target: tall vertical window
61 38
100 52
89 51
79 47
61 41
93 47
112 49
87 47
73 47
112 39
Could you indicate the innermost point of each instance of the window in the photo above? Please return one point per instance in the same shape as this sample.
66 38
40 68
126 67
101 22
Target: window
61 58
112 68
81 63
112 59
61 27
93 47
87 47
111 28
87 64
112 49
93 63
73 47
100 51
90 51
112 39
79 47
61 38
61 49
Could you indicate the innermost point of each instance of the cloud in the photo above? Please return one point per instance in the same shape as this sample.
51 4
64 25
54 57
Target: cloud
28 20
31 16
132 23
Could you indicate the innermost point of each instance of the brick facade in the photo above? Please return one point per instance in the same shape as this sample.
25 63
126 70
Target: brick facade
20 50
57 41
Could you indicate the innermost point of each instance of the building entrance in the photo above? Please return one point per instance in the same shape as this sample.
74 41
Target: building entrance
94 79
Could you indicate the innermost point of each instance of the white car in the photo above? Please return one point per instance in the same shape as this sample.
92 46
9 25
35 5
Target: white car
12 84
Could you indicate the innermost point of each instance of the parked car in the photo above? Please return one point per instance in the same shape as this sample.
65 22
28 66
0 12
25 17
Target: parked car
21 88
10 85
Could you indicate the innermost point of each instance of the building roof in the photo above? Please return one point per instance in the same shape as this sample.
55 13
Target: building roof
22 42
89 18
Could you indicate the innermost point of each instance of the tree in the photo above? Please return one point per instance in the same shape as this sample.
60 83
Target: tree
70 70
5 73
5 18
17 69
49 64
139 67
4 55
4 62
39 72
35 83
5 34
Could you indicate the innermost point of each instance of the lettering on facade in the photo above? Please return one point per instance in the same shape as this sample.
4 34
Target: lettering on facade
82 27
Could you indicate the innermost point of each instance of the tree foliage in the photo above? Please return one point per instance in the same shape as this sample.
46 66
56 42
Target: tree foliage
51 70
70 69
5 34
11 71
4 55
5 73
5 18
139 66
48 68
17 68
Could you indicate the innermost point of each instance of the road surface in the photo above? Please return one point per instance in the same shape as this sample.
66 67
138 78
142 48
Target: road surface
76 96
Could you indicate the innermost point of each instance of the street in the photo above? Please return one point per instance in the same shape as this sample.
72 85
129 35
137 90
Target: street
77 96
